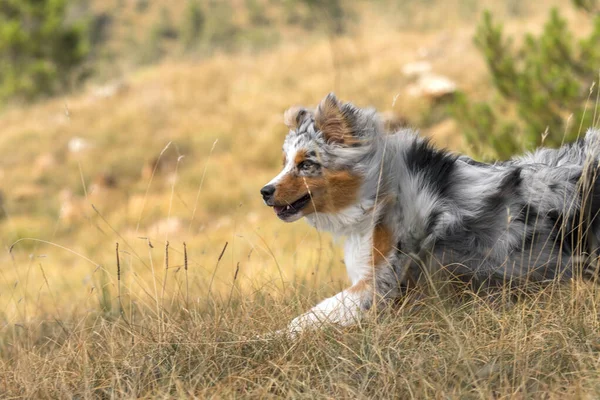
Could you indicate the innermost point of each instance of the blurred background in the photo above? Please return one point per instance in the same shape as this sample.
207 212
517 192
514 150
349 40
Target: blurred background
145 122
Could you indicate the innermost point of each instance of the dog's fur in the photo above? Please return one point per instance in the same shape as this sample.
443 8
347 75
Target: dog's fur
406 207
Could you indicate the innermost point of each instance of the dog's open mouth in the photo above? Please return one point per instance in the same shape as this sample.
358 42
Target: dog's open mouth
288 210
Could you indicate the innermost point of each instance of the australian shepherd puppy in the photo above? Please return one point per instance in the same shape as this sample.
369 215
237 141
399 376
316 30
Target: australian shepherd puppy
407 208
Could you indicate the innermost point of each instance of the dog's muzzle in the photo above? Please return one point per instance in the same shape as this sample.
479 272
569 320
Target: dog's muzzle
267 193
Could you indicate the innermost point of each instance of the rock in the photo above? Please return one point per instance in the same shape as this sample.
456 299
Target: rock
433 87
110 89
166 226
416 69
70 207
78 144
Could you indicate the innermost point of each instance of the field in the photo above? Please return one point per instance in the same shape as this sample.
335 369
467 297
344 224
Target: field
139 261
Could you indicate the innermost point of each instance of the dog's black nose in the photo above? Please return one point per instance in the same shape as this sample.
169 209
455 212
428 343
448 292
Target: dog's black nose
267 191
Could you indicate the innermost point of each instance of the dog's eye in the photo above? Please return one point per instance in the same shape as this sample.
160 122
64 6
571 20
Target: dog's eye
305 165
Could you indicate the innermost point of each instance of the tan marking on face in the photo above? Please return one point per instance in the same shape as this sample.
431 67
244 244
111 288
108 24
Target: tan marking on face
331 192
382 244
300 156
330 120
289 189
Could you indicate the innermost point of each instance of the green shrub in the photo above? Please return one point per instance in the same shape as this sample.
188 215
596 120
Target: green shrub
165 27
152 50
142 5
590 6
545 83
40 51
221 31
193 25
161 32
332 14
488 135
257 13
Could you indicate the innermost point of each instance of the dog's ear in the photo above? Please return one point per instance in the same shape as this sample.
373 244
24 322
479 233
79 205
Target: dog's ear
336 121
294 116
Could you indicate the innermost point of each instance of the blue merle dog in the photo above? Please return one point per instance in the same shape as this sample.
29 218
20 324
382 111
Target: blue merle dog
406 208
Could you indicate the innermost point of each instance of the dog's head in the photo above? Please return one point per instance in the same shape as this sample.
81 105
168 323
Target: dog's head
320 156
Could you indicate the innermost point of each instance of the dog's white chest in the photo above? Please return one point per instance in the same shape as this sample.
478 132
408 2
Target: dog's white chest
357 256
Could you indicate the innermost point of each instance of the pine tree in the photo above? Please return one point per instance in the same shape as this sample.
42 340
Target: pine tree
193 24
39 51
546 80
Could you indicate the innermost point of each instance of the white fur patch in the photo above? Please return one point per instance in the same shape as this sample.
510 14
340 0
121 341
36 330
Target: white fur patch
342 309
357 255
352 220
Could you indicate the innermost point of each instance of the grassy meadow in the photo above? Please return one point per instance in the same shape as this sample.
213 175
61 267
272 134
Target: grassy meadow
138 260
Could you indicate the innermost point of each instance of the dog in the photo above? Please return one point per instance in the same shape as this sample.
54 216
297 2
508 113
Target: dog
407 208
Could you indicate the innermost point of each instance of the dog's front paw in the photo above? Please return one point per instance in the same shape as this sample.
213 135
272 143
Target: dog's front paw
301 324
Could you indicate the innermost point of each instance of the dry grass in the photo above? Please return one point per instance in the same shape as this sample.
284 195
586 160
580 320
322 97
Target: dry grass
71 327
545 346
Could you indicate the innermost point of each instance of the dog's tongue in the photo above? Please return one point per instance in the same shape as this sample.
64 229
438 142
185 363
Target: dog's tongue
278 209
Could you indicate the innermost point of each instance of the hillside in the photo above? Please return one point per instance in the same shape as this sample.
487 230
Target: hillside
176 152
77 170
223 115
